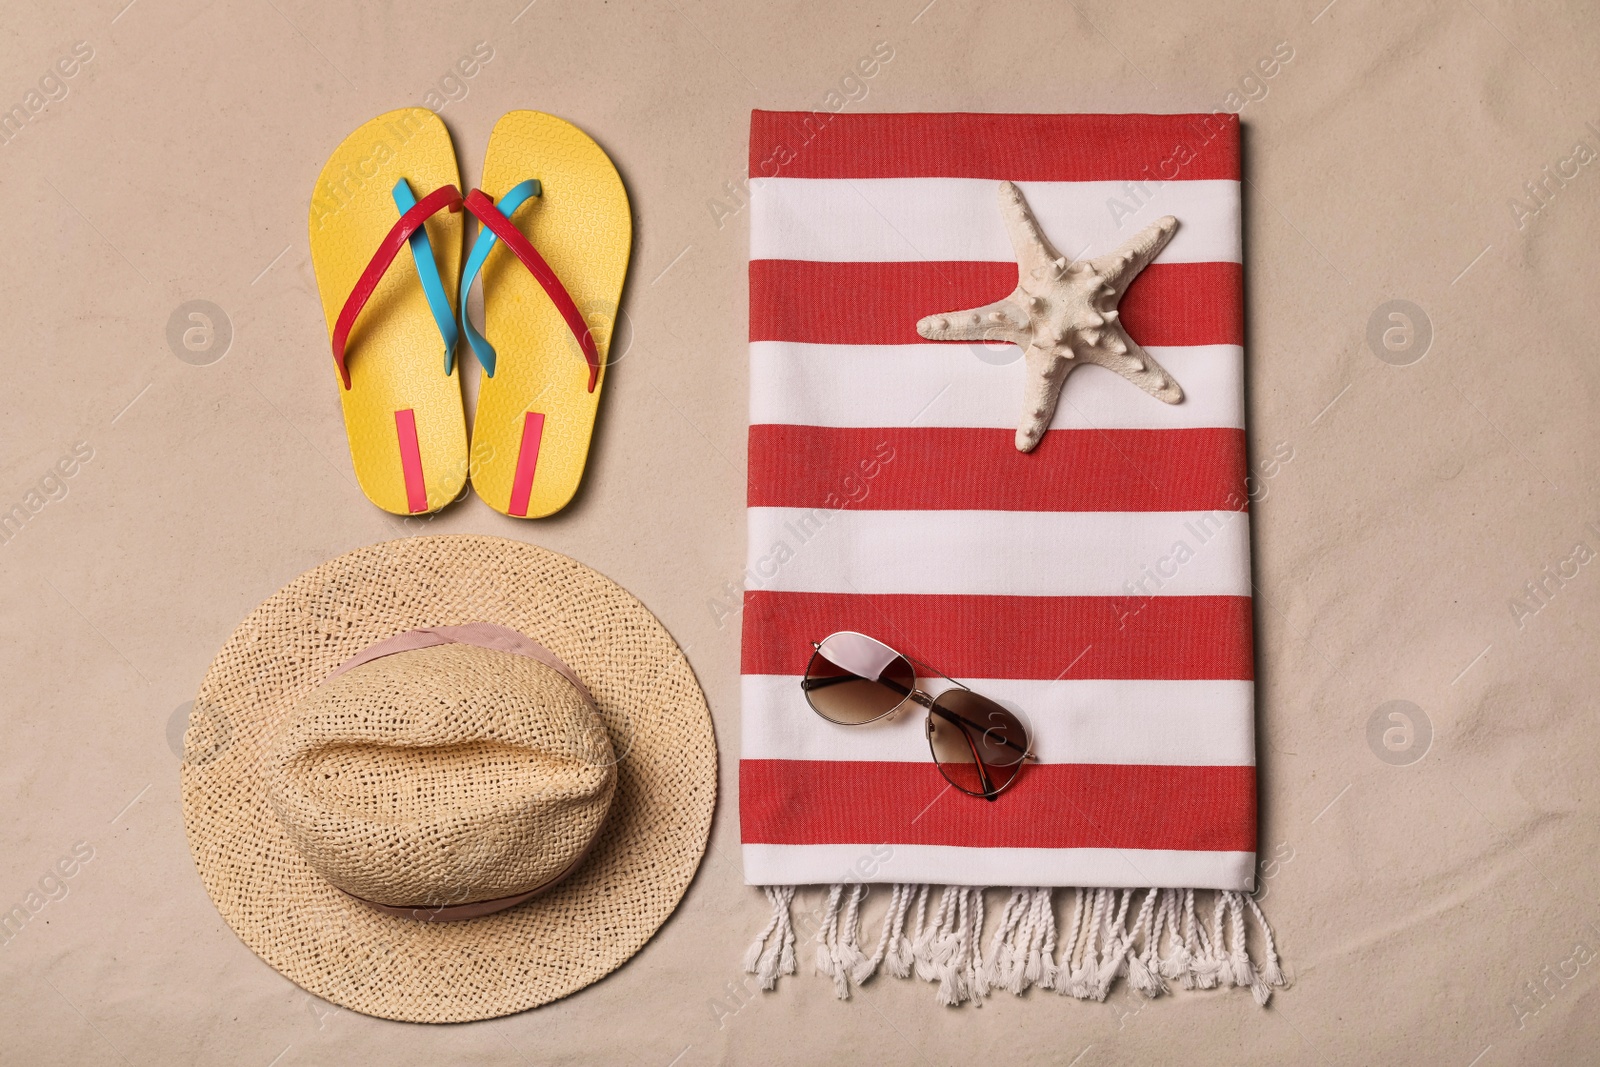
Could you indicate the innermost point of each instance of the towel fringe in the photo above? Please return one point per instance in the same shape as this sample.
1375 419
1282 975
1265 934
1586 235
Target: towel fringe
838 938
772 952
1165 939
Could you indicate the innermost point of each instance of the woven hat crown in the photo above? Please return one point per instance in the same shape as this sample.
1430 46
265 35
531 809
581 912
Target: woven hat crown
442 776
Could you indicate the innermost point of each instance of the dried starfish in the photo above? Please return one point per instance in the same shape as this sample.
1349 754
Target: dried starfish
1063 314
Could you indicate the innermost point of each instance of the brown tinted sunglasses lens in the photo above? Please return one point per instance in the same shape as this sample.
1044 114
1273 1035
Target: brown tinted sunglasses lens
849 699
964 728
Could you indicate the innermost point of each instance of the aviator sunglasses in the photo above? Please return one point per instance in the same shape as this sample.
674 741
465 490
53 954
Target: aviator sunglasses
978 745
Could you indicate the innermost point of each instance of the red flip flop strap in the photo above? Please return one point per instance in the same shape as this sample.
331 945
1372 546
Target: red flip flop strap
446 196
479 203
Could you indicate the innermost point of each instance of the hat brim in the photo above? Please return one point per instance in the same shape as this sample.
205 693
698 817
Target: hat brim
555 944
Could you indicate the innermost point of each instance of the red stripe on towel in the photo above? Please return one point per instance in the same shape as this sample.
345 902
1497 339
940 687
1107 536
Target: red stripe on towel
1013 636
1061 805
880 303
1019 148
959 468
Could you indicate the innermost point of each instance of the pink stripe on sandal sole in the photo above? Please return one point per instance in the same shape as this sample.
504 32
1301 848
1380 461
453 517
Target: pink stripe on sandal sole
527 462
405 427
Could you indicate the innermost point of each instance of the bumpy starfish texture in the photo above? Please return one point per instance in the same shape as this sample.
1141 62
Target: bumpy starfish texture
1062 314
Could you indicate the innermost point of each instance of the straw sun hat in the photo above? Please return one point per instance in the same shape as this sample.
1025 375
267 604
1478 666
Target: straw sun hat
448 778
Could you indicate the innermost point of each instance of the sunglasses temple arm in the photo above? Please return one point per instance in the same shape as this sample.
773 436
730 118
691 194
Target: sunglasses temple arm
809 684
989 791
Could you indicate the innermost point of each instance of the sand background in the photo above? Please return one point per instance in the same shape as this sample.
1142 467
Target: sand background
1419 906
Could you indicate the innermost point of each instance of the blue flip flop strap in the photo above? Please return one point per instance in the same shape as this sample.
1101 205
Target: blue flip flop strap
507 206
428 271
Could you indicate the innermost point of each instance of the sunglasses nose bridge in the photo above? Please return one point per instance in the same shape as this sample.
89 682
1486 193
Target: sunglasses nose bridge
914 697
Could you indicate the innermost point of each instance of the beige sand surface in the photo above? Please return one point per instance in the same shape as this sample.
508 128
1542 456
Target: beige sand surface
1442 912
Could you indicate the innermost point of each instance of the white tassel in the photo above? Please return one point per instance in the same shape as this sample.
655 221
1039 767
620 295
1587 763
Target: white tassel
1066 970
752 955
1176 964
1107 961
957 955
926 949
1140 976
1220 963
1261 981
830 919
847 954
1089 973
900 952
1151 955
896 913
1030 938
977 974
782 961
1244 975
1046 904
827 944
950 953
1271 971
1116 944
1005 967
1202 965
772 952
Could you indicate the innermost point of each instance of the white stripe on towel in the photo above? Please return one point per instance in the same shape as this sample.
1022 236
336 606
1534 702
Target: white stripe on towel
971 385
1200 723
1001 553
947 864
908 219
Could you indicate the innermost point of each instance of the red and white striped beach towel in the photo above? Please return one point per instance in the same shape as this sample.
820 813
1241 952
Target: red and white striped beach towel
1100 583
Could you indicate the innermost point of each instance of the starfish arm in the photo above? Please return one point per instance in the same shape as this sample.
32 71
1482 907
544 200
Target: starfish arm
1035 254
1119 268
1118 352
1047 371
1003 320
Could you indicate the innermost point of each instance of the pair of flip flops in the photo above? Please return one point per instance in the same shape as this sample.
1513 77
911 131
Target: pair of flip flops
386 244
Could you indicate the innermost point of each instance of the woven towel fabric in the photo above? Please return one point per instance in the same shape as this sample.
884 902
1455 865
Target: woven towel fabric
1101 583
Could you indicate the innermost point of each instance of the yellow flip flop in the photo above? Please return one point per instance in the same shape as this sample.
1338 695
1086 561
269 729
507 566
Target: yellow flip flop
550 307
402 408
